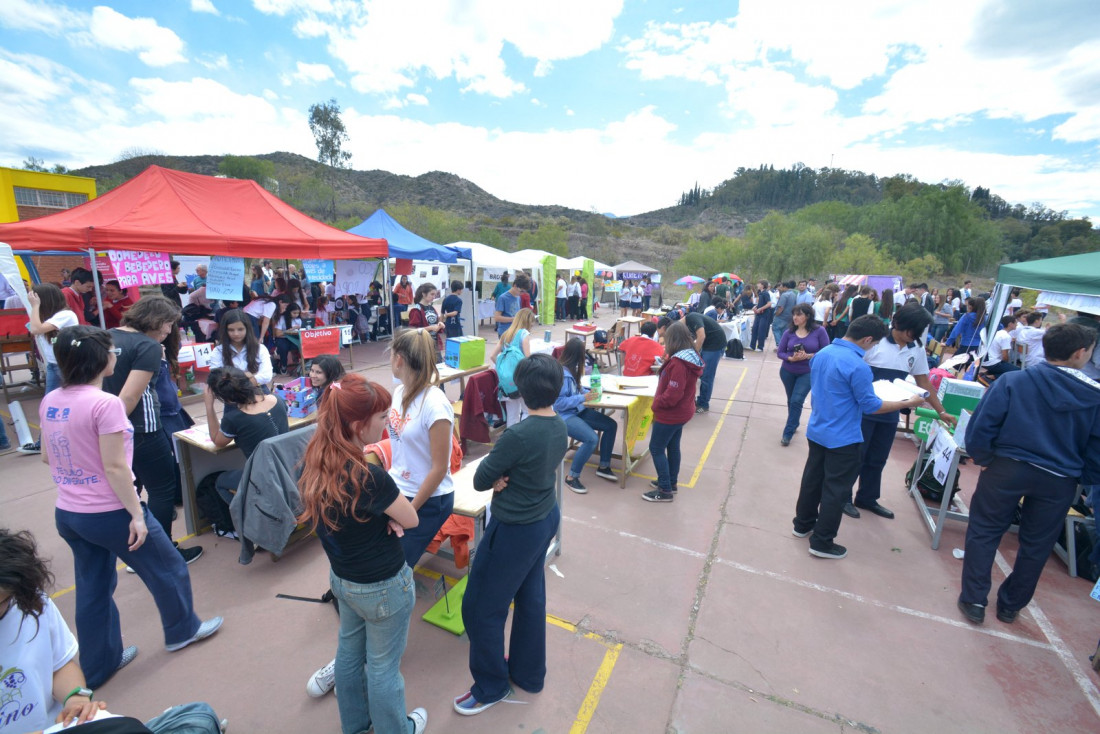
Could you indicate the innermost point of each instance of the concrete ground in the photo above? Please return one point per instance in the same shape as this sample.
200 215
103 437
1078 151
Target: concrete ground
703 615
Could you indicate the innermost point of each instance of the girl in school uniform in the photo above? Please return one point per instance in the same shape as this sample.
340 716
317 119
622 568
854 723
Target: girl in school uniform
289 324
673 407
238 347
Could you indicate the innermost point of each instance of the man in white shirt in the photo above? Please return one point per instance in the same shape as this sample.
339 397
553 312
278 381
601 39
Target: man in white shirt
1014 303
996 360
1031 336
967 291
561 297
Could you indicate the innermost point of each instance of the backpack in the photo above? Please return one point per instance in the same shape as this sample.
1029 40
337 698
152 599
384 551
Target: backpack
930 487
735 349
507 360
600 339
211 505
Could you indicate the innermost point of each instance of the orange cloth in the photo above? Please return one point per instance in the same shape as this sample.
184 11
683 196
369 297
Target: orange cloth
460 529
385 454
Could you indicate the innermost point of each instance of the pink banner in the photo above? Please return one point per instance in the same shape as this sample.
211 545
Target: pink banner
140 268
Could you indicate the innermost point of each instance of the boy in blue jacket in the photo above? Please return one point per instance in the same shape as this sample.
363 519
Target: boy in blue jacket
1036 435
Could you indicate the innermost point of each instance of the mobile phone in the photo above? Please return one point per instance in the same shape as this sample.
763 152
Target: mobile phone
799 348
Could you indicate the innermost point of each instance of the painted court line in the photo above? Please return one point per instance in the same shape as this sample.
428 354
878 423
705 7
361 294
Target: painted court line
599 682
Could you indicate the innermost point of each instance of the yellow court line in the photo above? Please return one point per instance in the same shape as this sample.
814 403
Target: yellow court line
717 428
595 691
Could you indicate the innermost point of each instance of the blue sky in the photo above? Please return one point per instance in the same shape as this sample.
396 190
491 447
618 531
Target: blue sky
611 105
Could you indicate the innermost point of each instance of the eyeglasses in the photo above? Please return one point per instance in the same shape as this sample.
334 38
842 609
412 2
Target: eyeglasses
115 351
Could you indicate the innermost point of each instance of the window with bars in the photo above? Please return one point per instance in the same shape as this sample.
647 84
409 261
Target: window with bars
48 199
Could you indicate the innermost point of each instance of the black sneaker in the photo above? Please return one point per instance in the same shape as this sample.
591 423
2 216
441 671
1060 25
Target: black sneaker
700 409
655 485
799 533
834 551
190 555
606 473
658 496
574 483
31 448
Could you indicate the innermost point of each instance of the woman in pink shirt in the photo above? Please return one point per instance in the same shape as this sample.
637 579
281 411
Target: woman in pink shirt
88 443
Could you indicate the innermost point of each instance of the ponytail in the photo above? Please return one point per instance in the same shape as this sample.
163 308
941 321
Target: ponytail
417 348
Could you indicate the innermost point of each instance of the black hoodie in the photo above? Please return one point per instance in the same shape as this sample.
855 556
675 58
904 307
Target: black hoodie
1047 416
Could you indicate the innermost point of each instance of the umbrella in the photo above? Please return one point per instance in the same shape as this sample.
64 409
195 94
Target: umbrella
730 276
690 280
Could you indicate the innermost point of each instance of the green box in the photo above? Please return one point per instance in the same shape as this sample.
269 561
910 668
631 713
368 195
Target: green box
465 352
960 395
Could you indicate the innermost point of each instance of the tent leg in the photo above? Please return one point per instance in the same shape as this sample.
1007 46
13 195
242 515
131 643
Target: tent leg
98 290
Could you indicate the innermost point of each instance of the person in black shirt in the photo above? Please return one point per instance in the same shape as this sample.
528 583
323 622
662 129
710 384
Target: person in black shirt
710 342
359 515
452 310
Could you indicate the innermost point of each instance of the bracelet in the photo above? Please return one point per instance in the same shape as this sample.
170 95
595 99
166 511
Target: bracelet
79 690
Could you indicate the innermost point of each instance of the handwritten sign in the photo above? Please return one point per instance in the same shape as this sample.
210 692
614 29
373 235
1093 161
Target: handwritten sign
943 452
353 277
132 269
202 355
225 278
318 271
323 340
345 335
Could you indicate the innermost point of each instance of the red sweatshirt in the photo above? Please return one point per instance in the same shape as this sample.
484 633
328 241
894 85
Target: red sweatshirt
675 401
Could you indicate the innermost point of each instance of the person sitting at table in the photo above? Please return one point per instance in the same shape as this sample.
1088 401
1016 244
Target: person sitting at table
520 333
423 315
88 443
718 310
238 347
583 424
287 326
509 566
324 370
640 352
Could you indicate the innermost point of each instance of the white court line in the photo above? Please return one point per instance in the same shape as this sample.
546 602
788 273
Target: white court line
821 587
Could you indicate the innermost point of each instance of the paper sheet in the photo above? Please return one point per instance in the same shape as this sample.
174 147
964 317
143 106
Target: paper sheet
895 390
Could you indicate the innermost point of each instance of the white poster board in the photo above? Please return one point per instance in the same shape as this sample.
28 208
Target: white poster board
353 277
943 453
225 278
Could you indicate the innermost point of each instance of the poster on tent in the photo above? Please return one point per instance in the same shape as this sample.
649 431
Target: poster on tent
353 277
225 278
321 340
318 271
140 268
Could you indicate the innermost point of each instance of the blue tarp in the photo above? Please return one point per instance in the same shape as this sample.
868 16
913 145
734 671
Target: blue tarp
405 244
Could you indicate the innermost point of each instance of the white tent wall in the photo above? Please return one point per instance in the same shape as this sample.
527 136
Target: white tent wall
482 257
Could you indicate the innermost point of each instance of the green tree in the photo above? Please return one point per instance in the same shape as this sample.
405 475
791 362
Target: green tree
247 168
549 237
859 255
329 133
704 259
34 164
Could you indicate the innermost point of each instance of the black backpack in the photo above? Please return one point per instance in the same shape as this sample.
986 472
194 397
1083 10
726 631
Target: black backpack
735 349
600 339
211 505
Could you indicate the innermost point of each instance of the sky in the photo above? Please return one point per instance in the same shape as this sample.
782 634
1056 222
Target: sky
602 105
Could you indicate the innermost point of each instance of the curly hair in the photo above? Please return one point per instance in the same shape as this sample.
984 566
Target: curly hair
23 573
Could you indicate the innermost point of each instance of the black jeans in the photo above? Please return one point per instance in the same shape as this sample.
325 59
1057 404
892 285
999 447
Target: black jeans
826 486
156 469
1047 499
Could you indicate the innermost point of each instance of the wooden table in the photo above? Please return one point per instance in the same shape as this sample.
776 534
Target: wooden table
468 502
584 335
198 456
450 374
628 321
621 394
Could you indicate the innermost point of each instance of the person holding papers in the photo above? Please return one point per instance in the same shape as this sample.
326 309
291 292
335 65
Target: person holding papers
898 356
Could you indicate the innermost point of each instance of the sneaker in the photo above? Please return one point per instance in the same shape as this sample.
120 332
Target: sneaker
128 656
129 569
785 441
574 483
834 551
606 473
206 629
467 705
190 555
700 409
799 533
31 448
653 483
658 496
419 719
323 681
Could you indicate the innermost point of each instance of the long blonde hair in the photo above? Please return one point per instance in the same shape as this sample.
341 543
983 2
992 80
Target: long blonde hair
524 319
417 348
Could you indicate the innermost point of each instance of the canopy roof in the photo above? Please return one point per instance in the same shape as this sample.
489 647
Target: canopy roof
485 256
406 244
532 259
188 214
576 263
630 266
1071 274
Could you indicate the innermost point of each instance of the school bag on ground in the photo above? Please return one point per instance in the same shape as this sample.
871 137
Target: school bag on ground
735 349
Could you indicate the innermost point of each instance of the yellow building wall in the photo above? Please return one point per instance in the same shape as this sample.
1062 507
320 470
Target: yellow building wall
13 177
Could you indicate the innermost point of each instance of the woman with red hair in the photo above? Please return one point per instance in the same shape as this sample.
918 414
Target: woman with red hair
359 515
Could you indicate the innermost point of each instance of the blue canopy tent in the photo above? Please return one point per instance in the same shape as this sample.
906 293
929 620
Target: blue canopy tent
411 246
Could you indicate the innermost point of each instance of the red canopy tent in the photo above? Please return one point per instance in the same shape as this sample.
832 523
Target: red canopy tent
189 214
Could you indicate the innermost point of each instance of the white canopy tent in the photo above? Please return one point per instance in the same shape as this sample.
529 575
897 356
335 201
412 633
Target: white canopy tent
576 263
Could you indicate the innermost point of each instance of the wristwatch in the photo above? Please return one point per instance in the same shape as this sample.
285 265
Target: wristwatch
78 691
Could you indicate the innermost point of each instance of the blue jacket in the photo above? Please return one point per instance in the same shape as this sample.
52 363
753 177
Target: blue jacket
1045 415
967 331
570 400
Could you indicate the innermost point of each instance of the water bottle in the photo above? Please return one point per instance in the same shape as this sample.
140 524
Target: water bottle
596 382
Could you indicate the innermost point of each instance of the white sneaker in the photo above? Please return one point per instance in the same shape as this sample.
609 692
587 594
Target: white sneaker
419 718
323 681
206 629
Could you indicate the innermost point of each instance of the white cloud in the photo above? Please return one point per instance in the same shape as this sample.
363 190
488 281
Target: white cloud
219 61
35 15
416 99
411 42
204 6
308 74
154 44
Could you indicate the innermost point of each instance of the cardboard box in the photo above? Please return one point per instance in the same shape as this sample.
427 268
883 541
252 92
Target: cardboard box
298 396
960 395
465 352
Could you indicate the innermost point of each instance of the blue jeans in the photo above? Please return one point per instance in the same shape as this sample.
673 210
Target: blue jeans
777 330
432 515
96 539
761 322
374 628
508 568
706 380
939 331
797 387
584 427
53 377
664 447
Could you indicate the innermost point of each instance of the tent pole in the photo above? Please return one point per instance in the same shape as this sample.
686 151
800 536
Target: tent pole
98 292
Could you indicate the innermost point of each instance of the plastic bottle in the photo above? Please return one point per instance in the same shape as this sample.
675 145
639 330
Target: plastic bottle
190 376
596 382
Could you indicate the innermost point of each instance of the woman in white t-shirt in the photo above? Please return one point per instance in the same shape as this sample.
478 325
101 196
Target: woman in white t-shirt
49 314
262 311
419 426
636 292
823 306
238 347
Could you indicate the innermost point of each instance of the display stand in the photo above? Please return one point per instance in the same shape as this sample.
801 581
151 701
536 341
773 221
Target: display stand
935 517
